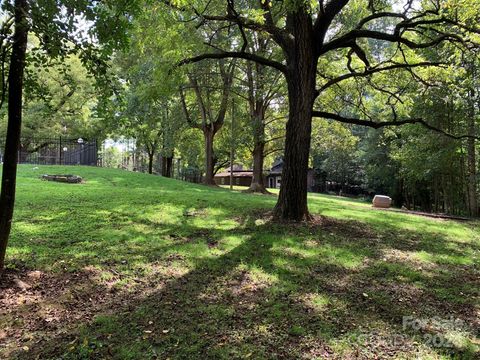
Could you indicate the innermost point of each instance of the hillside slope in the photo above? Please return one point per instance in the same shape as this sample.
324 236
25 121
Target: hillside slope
138 266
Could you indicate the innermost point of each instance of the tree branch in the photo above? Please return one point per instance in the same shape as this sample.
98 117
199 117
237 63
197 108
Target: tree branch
281 37
380 124
347 39
186 113
375 70
325 17
271 151
233 54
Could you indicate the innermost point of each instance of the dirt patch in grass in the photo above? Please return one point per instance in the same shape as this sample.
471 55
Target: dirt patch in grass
36 306
350 229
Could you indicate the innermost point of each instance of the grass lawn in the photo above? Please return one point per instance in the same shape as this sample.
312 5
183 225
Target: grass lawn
133 266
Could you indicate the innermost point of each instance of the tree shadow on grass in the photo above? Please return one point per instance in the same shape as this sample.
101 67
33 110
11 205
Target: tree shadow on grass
335 289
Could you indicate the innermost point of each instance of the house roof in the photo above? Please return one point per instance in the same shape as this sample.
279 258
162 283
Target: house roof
276 170
235 174
279 172
277 162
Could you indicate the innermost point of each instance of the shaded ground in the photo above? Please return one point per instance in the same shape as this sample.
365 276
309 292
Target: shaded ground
133 266
427 214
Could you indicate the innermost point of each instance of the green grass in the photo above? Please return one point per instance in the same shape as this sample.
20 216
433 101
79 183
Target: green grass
137 266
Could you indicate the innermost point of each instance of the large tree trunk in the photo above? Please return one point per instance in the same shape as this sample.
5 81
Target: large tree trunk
472 167
164 165
257 105
209 135
301 73
258 180
12 143
150 162
167 166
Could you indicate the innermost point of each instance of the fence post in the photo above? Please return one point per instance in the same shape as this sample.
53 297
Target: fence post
60 150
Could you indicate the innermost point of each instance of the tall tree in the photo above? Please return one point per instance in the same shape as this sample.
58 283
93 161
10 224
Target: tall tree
58 26
472 118
143 120
263 87
211 120
12 141
335 30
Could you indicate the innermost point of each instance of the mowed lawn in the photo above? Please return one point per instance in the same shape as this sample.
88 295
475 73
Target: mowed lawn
134 266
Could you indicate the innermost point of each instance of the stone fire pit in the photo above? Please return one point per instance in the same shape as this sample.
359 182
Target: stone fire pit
70 179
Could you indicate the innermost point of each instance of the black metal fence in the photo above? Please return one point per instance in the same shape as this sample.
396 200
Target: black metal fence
56 151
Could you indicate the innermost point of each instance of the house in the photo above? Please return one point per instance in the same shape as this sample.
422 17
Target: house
274 177
240 177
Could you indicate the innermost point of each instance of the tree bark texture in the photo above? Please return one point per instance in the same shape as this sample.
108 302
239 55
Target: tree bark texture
209 134
301 74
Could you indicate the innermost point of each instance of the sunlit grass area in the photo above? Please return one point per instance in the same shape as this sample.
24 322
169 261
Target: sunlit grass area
131 266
